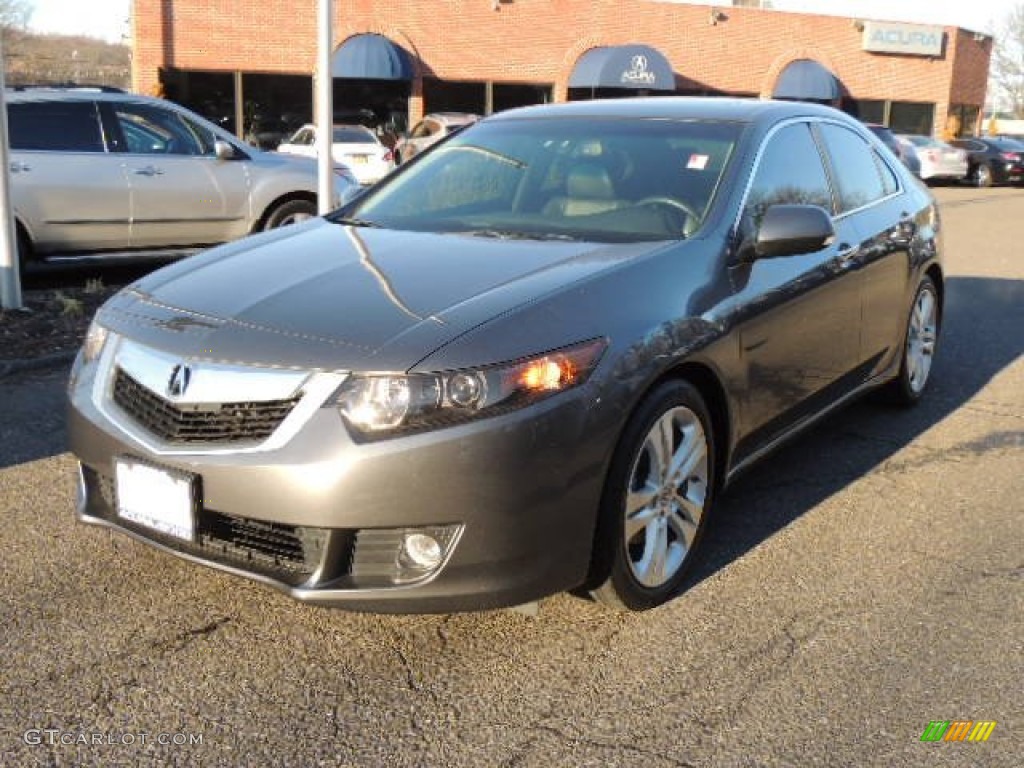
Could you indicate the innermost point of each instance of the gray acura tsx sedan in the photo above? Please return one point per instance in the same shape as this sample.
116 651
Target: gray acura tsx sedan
527 362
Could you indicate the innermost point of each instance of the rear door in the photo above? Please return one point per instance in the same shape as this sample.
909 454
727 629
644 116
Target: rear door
181 193
70 193
886 219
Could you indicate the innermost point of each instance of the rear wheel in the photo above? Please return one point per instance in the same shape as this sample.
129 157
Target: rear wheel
918 345
982 176
290 212
656 499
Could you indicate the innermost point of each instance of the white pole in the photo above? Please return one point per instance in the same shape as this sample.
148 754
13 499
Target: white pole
10 284
325 109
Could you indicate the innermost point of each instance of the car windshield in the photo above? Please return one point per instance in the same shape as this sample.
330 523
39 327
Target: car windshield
353 136
607 180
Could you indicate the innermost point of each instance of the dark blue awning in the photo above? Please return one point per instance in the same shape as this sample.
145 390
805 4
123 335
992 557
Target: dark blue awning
371 57
623 66
806 79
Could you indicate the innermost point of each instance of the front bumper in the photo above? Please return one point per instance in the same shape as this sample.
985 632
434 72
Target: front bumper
519 493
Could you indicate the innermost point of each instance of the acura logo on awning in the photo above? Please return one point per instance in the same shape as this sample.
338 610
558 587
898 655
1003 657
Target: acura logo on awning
181 375
638 71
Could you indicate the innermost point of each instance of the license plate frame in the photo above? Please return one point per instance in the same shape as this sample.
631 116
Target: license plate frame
158 498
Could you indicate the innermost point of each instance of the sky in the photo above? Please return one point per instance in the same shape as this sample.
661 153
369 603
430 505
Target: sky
107 19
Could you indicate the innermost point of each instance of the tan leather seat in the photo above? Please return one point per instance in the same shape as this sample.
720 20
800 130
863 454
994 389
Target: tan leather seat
588 190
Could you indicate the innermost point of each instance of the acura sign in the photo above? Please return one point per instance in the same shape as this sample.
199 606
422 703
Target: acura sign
909 39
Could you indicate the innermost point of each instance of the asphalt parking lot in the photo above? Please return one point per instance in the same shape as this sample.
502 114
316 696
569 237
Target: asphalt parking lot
862 582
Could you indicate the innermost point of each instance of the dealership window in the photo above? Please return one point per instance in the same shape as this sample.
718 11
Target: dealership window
381 105
210 94
912 117
511 95
966 119
454 96
869 110
900 116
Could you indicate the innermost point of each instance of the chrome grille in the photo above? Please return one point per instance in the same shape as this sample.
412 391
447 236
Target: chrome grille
198 423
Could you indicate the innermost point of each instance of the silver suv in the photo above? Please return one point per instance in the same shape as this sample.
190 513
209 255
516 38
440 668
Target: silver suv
99 173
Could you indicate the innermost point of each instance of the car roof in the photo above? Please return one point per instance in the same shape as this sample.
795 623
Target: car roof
678 108
77 93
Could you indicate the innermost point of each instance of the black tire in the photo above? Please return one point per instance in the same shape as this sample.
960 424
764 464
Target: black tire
982 176
290 212
920 341
676 411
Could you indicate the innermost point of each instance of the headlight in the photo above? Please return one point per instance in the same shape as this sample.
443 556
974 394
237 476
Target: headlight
95 338
91 349
382 405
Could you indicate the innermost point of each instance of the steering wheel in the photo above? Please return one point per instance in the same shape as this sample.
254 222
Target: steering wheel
692 219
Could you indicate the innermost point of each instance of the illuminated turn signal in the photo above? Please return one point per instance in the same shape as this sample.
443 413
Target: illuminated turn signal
547 374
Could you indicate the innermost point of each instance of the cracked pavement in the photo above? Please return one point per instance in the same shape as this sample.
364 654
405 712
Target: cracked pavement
865 580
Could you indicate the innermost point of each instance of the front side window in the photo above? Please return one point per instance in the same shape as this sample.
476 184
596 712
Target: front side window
55 126
150 130
790 172
609 180
854 167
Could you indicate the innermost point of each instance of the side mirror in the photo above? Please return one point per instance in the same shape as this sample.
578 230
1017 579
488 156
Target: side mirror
223 150
787 230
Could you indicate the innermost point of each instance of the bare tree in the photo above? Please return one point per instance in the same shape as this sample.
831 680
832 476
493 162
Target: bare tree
14 14
1008 62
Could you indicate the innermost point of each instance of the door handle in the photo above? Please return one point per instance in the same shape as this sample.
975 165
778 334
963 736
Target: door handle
149 170
17 167
847 257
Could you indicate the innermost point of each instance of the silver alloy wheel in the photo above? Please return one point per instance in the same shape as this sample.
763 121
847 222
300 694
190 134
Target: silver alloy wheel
921 335
983 176
665 498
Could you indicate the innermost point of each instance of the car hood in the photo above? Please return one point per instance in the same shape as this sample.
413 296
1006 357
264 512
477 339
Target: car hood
334 297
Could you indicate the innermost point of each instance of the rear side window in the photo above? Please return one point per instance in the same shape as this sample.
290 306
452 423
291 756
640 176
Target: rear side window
855 167
55 126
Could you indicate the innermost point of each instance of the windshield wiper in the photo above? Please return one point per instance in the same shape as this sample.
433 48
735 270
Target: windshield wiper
510 234
357 222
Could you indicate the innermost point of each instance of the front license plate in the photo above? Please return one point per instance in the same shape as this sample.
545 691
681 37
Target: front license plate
156 498
360 159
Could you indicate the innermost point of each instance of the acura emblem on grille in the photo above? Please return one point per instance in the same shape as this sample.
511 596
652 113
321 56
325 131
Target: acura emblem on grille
178 383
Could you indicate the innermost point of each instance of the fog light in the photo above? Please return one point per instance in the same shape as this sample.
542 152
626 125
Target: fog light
387 557
423 551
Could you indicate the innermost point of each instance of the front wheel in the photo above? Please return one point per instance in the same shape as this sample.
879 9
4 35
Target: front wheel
919 344
290 212
656 500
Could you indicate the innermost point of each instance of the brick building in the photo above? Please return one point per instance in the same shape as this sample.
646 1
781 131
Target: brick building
248 63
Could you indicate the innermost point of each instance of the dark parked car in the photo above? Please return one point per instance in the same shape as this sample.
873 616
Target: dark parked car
903 151
992 160
528 362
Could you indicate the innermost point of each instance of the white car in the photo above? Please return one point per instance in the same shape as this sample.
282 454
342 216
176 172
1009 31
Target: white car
354 146
938 159
430 130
